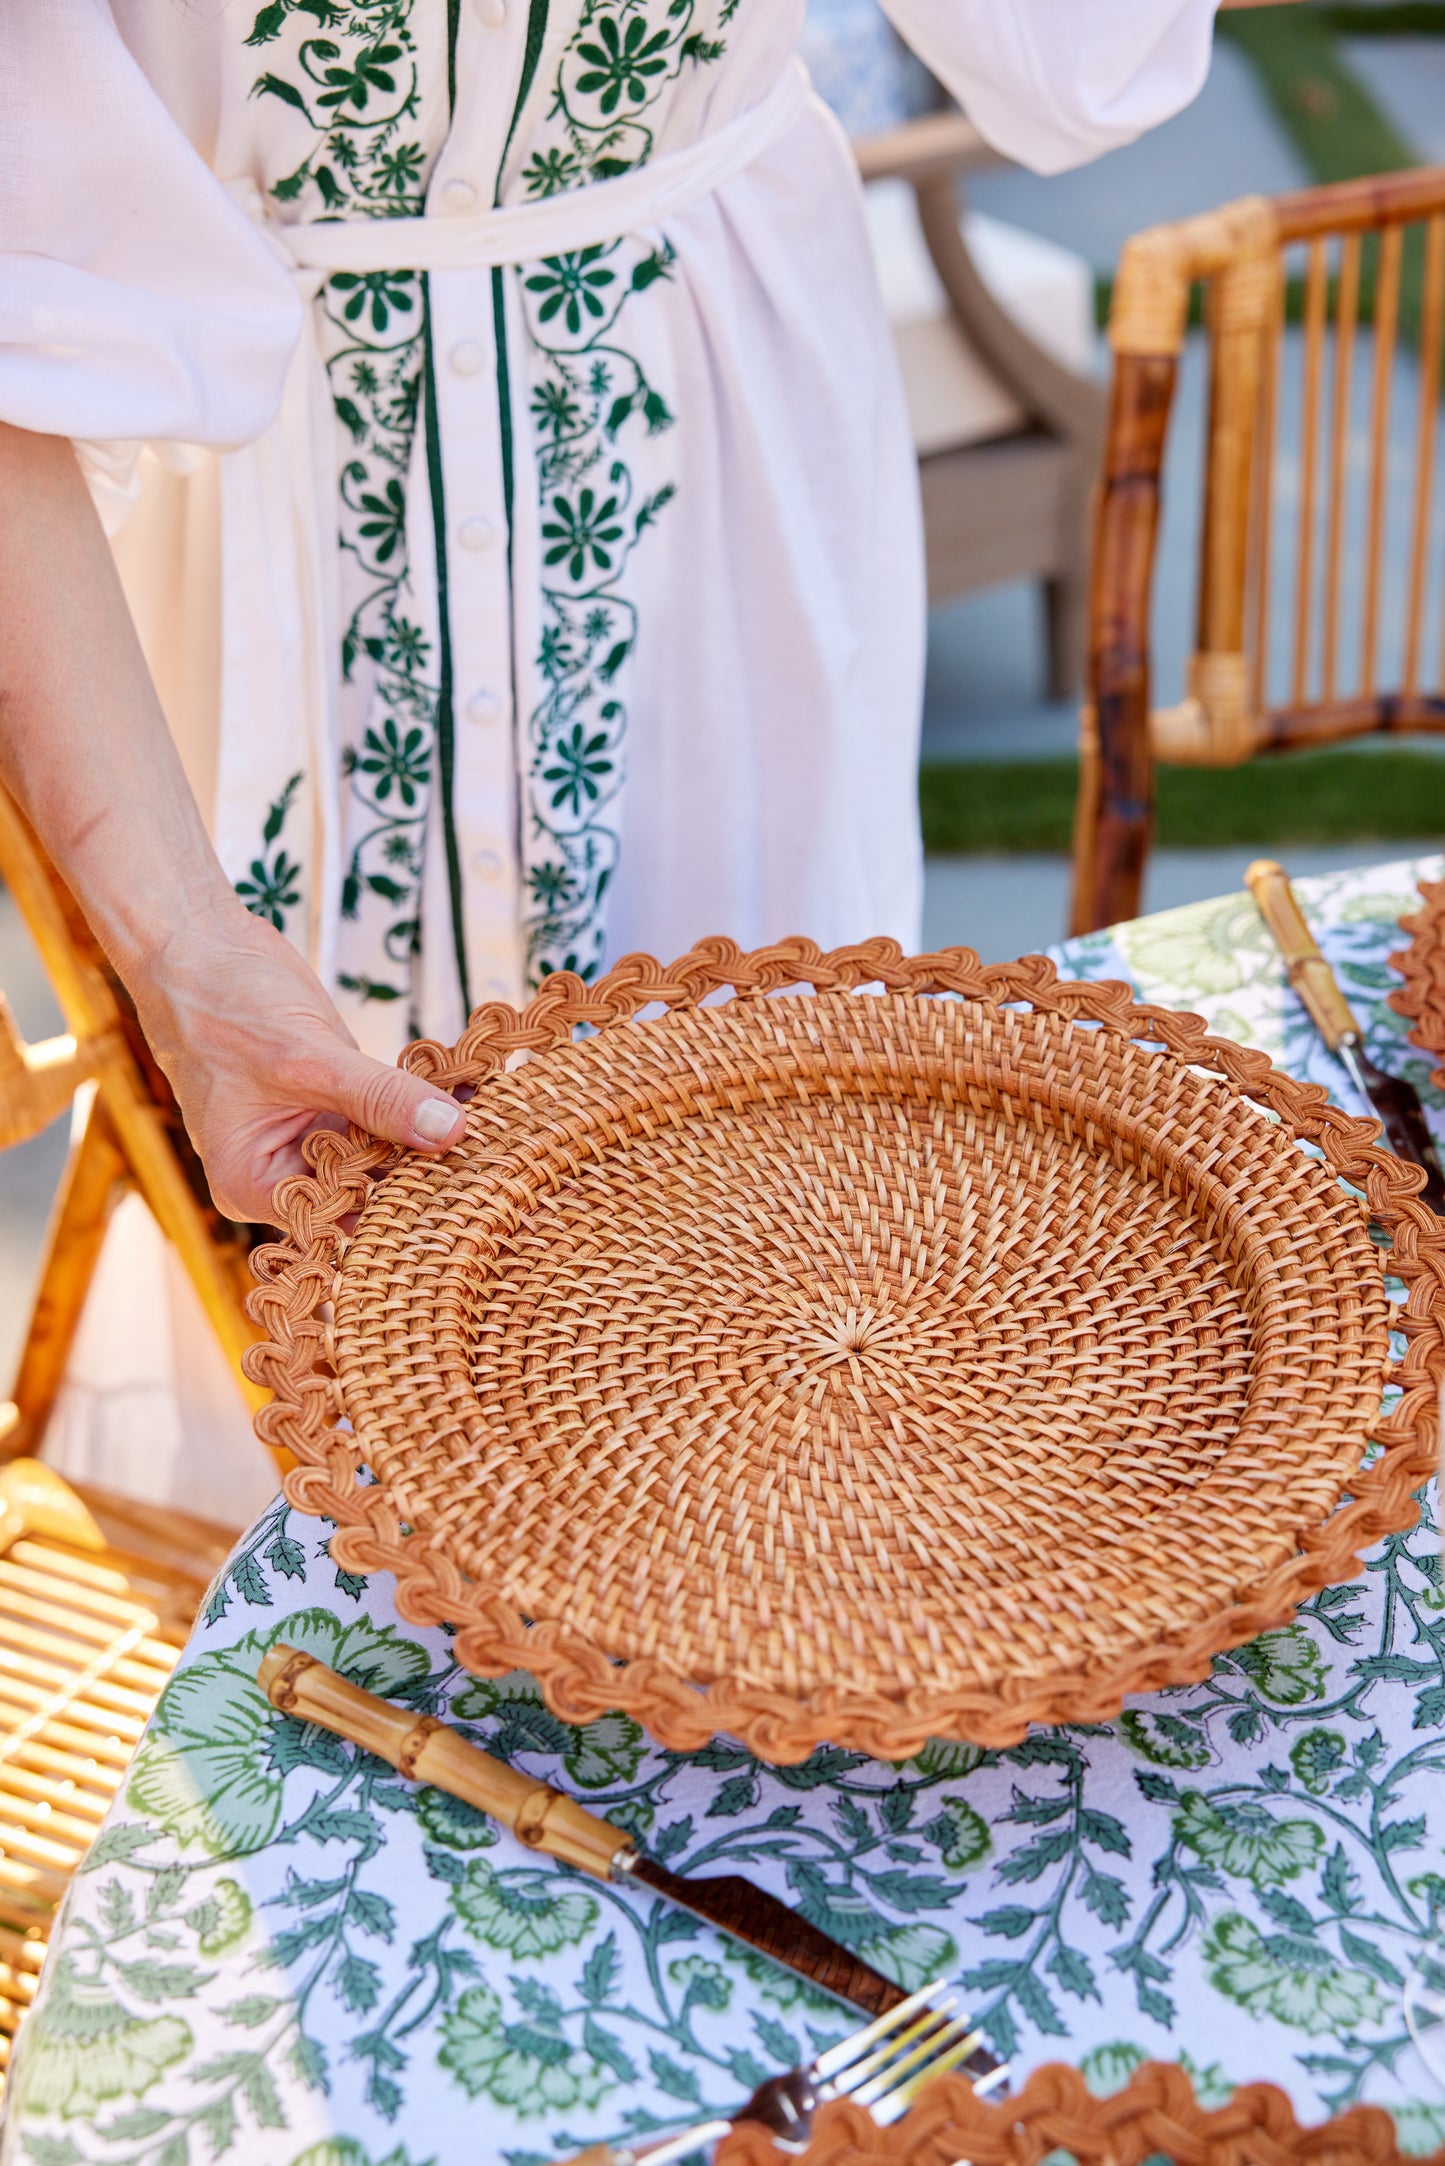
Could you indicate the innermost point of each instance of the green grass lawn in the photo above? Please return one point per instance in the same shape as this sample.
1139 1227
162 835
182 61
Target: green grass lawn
973 806
1333 119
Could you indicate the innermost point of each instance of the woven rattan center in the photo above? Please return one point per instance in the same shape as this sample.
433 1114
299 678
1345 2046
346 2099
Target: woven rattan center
865 1341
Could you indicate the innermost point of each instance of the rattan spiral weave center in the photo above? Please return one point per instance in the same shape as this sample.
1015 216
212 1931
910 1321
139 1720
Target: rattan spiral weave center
887 1365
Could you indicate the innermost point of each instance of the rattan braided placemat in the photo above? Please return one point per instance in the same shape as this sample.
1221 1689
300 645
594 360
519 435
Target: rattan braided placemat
1155 2117
1422 965
890 1366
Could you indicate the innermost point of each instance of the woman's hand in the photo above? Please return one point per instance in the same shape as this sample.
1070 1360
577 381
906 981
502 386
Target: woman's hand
258 1057
254 1049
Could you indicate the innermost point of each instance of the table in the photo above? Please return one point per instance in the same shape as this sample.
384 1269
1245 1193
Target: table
277 1948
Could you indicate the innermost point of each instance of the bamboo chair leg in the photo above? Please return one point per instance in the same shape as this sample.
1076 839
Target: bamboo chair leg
72 1248
1115 814
1113 824
133 1092
216 1268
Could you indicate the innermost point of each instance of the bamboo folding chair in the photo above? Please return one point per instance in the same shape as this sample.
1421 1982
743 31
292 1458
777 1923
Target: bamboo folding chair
97 1593
129 1132
1294 493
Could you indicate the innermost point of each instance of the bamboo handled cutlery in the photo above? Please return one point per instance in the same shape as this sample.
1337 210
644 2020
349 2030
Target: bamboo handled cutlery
913 2037
1395 1101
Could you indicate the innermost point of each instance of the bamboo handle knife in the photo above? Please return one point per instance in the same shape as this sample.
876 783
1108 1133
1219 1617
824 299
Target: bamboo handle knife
425 1750
1309 973
1397 1103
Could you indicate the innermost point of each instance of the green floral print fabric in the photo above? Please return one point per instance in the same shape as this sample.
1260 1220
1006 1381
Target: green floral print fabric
592 406
353 74
280 1951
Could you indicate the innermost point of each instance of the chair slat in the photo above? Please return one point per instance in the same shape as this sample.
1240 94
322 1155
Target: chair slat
1432 319
80 1766
26 1885
1347 307
43 1817
65 1617
84 1597
146 1582
21 1951
59 1564
1317 286
135 1697
50 1647
28 1846
1262 493
65 1796
1387 317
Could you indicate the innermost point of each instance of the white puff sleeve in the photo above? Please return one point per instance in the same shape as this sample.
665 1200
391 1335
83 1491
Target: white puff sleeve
137 300
1053 83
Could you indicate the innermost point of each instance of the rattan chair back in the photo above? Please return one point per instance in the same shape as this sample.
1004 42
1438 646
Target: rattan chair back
1301 498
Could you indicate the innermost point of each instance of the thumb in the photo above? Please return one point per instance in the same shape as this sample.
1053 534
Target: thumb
389 1103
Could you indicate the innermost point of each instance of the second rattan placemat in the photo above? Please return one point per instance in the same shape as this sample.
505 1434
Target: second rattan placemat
1156 2120
890 1366
1422 965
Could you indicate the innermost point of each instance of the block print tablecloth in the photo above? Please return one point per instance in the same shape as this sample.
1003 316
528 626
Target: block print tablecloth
280 1951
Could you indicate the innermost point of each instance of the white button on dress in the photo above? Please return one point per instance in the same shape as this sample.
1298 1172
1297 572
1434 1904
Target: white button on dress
488 864
458 194
477 533
467 357
491 14
483 708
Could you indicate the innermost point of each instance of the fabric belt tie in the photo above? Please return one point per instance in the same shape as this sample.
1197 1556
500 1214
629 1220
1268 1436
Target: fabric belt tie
554 225
281 599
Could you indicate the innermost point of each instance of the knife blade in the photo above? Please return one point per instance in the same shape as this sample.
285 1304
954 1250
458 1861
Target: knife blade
425 1750
750 1915
1397 1102
757 1919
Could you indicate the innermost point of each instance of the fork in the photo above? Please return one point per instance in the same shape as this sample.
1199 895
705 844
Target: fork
882 2067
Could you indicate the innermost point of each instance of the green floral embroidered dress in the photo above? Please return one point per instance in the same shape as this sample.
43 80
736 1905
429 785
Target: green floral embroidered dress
279 1951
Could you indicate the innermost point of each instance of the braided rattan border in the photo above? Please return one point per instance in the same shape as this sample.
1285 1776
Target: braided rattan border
1156 2115
1422 966
578 1680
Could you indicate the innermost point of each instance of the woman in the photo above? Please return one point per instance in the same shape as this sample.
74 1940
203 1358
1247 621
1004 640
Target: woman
526 552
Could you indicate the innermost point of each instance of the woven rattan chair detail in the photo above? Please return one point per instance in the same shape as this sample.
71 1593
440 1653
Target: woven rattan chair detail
1353 663
96 1600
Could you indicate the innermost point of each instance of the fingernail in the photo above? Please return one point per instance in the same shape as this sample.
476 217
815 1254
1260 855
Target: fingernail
435 1119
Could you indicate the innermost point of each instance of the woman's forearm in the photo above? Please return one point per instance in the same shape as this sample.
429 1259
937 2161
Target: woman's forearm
254 1048
84 745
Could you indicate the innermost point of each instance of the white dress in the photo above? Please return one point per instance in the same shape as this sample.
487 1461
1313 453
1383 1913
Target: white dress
523 520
